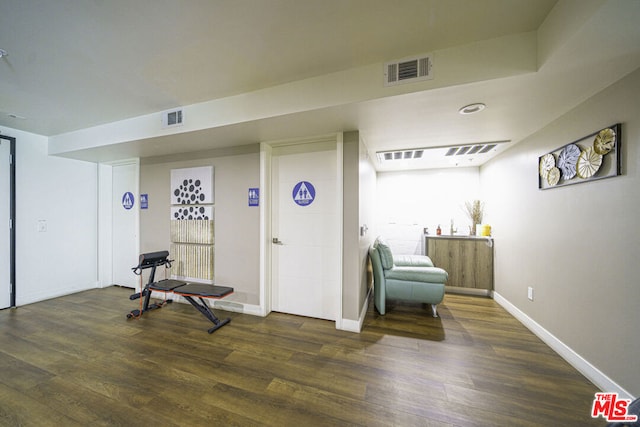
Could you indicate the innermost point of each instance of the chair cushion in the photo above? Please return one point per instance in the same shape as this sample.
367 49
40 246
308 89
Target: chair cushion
412 261
386 257
417 274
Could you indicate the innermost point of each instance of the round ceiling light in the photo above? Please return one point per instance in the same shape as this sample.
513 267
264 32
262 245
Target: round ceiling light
472 108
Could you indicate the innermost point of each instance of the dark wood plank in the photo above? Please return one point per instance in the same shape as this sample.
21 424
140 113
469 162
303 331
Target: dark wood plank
77 360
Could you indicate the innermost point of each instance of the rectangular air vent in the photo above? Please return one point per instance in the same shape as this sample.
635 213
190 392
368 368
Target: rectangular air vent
172 118
384 156
470 149
408 70
445 151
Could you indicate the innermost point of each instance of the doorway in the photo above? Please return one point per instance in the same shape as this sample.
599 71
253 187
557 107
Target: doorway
306 225
125 222
7 222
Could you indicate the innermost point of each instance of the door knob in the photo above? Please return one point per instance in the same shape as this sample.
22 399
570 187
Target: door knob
276 241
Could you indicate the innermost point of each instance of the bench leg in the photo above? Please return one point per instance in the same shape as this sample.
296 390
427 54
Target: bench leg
146 294
219 325
206 312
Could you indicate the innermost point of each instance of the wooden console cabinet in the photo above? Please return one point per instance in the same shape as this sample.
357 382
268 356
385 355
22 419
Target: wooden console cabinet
468 260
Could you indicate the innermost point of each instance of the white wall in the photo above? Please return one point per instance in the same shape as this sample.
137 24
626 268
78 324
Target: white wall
105 225
367 219
62 192
351 265
409 201
367 208
359 211
577 246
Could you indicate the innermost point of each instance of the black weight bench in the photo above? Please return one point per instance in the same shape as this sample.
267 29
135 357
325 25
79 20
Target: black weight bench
189 291
196 290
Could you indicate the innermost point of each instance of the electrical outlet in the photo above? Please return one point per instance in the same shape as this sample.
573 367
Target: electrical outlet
530 293
42 226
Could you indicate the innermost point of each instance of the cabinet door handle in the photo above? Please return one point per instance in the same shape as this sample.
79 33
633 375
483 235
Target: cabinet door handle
276 241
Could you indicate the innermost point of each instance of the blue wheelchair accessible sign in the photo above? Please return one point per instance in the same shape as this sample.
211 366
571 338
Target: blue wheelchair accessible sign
128 200
303 193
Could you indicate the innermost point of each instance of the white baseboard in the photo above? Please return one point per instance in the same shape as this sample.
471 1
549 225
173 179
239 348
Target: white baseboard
47 294
236 307
592 373
350 326
467 291
356 325
239 307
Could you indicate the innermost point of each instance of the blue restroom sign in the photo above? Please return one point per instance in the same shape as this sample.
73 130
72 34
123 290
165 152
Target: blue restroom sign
303 193
144 201
128 200
254 197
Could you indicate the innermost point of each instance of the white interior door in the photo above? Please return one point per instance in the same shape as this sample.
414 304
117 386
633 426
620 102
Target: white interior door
5 216
125 215
305 230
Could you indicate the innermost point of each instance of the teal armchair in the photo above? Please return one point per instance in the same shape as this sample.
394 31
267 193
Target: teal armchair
405 277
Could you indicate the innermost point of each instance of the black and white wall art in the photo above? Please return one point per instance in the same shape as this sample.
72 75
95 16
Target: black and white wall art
192 212
191 186
192 223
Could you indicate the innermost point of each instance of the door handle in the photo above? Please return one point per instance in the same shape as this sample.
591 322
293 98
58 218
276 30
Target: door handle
276 241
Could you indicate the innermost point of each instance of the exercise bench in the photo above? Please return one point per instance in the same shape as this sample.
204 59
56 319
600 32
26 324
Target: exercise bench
190 291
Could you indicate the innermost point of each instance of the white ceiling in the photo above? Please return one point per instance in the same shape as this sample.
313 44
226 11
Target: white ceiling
75 65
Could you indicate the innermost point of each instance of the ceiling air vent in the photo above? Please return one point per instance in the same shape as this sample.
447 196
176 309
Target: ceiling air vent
408 70
172 118
470 149
439 151
384 156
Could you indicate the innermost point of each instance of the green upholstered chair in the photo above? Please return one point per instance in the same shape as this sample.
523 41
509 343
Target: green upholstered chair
405 277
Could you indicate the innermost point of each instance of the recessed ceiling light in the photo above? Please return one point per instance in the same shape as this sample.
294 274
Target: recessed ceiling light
472 108
3 53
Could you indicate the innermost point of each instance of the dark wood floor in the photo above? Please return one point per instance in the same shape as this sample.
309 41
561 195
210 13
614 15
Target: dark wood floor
76 360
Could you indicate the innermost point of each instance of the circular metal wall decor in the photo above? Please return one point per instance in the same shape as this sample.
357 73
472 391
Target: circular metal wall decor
588 163
567 160
546 162
593 157
553 176
604 142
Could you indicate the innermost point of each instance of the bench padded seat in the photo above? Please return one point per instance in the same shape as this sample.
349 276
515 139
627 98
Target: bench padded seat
203 290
